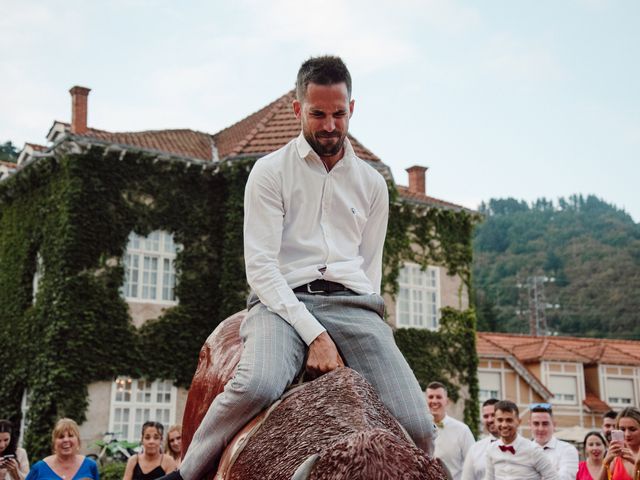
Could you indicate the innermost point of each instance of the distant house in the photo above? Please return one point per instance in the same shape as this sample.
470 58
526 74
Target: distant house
582 378
6 169
123 404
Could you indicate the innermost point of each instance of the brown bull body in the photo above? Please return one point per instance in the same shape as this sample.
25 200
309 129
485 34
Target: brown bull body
336 424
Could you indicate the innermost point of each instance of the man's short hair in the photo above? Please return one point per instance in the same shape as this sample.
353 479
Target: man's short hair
612 414
491 401
507 406
324 70
541 408
436 385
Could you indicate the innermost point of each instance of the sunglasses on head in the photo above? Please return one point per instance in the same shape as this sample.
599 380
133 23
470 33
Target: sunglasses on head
540 407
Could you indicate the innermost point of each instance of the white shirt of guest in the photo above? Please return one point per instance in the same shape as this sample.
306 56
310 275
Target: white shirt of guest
528 463
302 223
564 458
476 461
452 444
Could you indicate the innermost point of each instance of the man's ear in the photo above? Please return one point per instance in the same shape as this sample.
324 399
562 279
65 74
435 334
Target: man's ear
351 105
297 109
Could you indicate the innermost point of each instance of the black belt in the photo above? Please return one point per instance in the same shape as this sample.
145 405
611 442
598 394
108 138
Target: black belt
320 286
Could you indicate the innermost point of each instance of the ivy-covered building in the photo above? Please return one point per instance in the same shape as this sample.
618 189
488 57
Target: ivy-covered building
121 251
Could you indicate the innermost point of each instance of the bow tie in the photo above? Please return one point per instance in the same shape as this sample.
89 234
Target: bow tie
440 425
507 448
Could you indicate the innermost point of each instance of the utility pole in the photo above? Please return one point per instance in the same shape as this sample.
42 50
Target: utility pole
537 303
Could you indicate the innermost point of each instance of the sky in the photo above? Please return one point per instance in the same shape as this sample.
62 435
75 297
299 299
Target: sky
498 98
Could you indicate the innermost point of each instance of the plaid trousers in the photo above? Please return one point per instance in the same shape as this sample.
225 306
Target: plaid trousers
274 354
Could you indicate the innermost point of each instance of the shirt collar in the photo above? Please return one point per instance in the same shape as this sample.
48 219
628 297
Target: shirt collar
442 422
305 151
515 441
552 443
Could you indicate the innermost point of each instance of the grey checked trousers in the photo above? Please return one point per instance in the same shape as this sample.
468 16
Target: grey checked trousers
274 354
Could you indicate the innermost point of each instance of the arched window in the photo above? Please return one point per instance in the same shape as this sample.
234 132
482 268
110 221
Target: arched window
150 274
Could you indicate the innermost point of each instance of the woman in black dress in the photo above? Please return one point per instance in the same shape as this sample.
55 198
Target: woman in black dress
151 463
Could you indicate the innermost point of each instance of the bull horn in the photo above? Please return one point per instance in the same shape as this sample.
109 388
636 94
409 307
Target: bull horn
304 470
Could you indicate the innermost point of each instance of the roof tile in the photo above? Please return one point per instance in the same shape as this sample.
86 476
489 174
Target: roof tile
527 348
425 199
594 404
269 129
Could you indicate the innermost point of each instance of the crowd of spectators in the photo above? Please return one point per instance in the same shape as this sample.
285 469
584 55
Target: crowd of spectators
158 455
502 453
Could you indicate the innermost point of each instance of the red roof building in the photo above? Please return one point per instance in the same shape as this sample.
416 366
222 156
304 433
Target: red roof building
256 135
582 377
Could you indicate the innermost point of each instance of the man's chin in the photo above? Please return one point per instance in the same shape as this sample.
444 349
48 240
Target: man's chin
329 147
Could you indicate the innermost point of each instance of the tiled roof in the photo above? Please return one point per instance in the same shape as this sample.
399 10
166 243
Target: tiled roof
528 348
182 142
36 147
594 404
8 164
262 132
267 130
427 200
485 346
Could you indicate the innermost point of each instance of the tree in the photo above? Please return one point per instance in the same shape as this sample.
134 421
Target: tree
8 152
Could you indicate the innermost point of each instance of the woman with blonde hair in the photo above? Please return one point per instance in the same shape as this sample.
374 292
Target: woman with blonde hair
151 463
623 459
66 463
14 464
173 444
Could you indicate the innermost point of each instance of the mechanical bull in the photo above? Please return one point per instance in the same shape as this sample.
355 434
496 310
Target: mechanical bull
332 428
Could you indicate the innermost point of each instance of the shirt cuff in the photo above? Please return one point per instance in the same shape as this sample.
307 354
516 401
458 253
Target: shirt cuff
308 327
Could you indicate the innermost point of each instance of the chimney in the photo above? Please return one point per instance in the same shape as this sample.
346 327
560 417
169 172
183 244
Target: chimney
79 97
417 180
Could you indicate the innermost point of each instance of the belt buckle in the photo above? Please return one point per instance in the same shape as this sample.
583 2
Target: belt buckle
313 291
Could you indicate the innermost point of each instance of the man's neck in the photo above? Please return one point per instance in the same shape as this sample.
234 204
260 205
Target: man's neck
510 440
542 443
331 161
440 418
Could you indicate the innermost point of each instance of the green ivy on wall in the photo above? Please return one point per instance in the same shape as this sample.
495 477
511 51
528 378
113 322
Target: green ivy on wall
76 211
447 356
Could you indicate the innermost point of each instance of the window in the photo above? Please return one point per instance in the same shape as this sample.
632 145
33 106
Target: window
418 302
149 268
564 389
490 385
133 402
620 391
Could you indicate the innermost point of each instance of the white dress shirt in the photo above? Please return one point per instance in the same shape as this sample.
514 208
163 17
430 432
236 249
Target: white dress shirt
564 458
528 463
302 223
452 444
476 461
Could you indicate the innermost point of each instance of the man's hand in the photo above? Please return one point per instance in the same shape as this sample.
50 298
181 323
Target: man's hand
323 356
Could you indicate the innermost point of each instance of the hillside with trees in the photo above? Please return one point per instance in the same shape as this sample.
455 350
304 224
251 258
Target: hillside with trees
576 262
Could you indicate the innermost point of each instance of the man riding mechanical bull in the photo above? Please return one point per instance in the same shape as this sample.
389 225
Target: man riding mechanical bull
315 220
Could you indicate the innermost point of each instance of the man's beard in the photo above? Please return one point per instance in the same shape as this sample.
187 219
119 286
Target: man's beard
325 150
